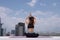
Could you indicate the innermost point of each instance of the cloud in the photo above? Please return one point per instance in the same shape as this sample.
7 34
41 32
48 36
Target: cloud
42 4
32 3
20 12
45 21
54 4
8 21
42 13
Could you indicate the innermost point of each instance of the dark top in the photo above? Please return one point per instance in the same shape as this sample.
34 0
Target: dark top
30 26
31 22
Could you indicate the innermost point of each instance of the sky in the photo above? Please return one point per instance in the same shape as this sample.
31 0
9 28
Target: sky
47 13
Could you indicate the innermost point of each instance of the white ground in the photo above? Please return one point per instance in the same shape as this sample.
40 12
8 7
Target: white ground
24 38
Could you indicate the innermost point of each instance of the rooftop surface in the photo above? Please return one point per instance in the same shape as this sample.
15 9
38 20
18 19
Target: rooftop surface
24 38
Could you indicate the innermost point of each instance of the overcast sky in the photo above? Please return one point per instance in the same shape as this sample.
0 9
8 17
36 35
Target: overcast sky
47 13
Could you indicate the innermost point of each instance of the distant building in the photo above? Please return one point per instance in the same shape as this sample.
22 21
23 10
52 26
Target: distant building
20 29
12 32
1 29
8 34
4 32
